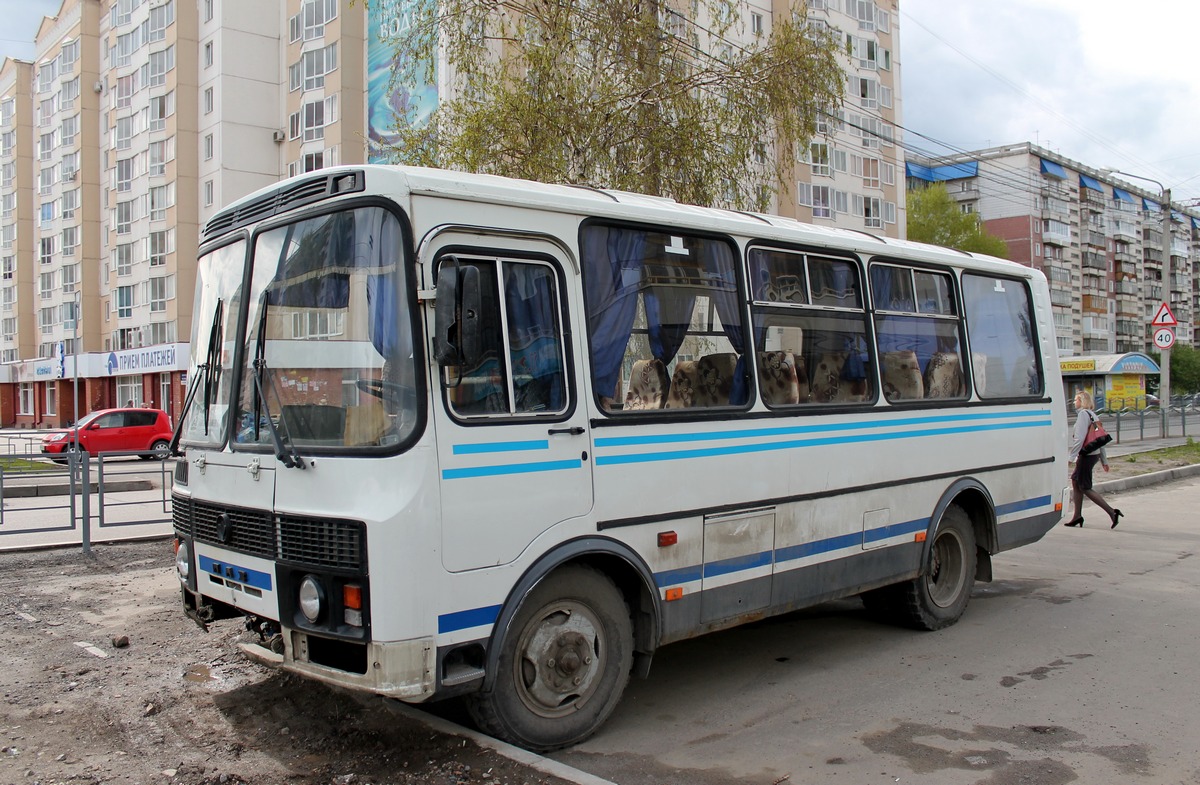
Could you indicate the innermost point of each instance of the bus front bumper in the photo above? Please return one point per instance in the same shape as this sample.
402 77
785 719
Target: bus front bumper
402 669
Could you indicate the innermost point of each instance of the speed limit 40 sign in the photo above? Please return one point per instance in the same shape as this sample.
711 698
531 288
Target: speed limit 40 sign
1164 337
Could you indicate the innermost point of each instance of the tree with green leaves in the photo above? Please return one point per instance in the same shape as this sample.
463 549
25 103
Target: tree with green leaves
934 217
1185 369
638 95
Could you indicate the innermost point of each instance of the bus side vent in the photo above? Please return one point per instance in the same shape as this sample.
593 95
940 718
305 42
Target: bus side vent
321 542
283 199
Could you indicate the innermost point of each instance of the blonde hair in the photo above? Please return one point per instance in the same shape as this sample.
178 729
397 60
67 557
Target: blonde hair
1088 401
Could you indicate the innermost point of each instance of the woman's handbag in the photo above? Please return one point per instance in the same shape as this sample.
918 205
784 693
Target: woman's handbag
1097 437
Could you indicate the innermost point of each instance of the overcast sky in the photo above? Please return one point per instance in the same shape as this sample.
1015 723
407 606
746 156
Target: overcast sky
1112 85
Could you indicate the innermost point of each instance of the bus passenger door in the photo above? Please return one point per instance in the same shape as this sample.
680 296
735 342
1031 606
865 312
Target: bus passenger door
512 436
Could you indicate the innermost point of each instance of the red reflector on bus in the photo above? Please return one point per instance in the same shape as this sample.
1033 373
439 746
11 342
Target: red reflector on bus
1058 507
667 538
352 596
674 594
920 537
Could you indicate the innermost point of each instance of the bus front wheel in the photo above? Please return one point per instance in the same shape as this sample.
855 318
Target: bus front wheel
564 665
939 595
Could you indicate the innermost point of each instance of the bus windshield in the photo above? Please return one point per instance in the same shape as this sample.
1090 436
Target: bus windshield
214 328
328 360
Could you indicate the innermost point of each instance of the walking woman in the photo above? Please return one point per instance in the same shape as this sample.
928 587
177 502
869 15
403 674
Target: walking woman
1081 478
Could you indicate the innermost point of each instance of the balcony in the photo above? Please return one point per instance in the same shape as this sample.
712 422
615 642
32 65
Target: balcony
1057 237
1095 261
1127 288
1095 303
1096 239
1125 230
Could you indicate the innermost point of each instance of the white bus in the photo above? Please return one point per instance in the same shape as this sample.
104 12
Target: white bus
452 434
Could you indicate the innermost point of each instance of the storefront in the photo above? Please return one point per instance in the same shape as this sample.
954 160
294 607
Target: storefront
41 393
1116 381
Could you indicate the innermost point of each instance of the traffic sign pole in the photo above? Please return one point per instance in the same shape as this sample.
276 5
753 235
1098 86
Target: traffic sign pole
1164 335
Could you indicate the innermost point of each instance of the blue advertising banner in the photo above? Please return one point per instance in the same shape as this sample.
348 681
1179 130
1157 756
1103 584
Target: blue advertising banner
390 101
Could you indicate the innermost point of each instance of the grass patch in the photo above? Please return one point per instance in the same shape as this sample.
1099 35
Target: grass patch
22 465
1189 453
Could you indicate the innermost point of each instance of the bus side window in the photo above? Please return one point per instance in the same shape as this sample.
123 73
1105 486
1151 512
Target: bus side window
1000 327
664 320
522 367
810 328
918 334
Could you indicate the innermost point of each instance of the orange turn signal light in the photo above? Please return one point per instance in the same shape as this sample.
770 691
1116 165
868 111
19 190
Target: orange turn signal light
667 538
675 593
920 537
352 596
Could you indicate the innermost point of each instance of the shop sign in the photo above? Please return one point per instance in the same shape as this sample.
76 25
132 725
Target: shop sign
1075 366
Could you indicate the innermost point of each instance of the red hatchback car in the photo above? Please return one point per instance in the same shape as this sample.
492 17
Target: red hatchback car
112 430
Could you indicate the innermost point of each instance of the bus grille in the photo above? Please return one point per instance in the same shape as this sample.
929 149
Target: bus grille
320 542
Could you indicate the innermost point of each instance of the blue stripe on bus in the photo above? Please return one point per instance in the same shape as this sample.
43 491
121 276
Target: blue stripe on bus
841 542
827 545
1028 504
236 574
742 449
737 564
464 620
476 449
510 468
636 441
895 530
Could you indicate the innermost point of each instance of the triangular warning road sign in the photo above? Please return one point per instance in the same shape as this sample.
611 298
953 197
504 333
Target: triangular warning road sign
1163 317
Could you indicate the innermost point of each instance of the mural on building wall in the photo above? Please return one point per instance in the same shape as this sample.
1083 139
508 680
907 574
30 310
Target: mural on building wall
388 100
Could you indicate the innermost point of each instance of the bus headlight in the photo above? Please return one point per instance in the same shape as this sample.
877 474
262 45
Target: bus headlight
312 598
183 560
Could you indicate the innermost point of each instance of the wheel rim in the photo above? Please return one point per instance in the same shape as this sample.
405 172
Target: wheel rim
560 659
947 569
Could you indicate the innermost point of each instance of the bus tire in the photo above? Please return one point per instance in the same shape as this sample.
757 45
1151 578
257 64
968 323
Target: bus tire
938 596
564 665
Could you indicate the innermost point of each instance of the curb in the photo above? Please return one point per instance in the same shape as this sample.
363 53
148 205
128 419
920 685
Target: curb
1151 478
526 758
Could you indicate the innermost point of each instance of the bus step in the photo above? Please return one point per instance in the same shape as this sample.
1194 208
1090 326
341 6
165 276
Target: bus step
461 674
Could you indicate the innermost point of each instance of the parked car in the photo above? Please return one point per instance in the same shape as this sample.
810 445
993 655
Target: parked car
111 430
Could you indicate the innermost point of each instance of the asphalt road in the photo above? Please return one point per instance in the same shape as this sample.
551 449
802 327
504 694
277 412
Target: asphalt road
1077 664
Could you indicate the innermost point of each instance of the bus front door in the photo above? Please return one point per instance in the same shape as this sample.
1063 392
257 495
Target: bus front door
512 434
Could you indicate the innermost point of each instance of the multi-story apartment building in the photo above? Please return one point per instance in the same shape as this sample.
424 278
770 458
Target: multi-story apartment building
853 176
139 119
1098 238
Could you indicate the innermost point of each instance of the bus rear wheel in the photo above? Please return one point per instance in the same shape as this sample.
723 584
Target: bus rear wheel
564 666
938 596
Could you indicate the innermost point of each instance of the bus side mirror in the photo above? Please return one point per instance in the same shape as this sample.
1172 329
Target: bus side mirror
457 315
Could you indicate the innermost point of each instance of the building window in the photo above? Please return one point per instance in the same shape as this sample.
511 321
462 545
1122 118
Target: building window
47 249
164 391
160 64
159 332
48 282
208 55
70 127
160 290
756 24
124 302
124 174
208 10
126 87
7 267
161 244
313 161
161 107
122 257
70 201
69 240
208 193
160 153
46 319
161 197
123 133
208 100
70 278
208 147
161 18
26 398
315 65
124 217
819 158
51 399
69 94
129 389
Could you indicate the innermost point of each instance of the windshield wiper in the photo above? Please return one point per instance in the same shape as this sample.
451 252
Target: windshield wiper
207 372
285 447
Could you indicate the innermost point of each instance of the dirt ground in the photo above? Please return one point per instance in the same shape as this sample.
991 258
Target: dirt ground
177 705
1122 466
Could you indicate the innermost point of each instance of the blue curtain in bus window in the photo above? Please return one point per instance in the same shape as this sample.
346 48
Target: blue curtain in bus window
382 306
612 262
722 275
534 347
312 273
668 317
